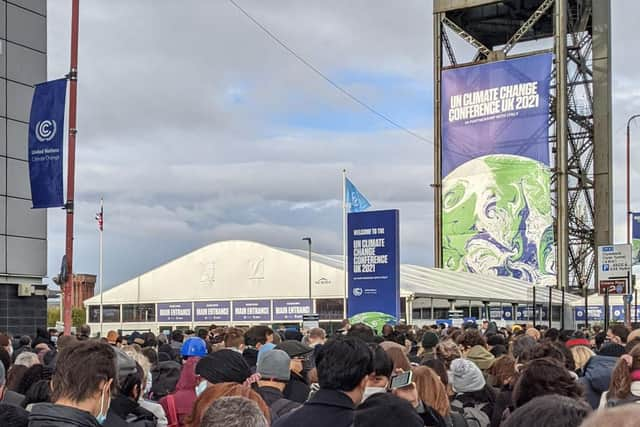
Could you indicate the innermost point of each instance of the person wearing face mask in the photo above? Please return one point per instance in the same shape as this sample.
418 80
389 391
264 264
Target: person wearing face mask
125 409
297 388
81 388
378 380
42 337
343 364
53 336
147 384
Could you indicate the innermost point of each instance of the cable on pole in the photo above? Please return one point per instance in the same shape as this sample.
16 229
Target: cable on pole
328 79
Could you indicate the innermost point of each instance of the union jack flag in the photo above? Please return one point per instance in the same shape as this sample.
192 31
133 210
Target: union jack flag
100 217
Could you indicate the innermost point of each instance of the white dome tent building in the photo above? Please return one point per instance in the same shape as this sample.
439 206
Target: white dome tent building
244 283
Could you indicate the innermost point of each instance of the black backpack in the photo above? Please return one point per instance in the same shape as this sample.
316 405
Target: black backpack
165 376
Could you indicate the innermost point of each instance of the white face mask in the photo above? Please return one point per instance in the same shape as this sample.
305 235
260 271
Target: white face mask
370 391
200 388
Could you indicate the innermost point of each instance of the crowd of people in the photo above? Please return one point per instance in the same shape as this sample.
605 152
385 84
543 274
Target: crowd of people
477 375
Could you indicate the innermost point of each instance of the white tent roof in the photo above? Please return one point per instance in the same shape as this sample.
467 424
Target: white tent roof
445 284
246 270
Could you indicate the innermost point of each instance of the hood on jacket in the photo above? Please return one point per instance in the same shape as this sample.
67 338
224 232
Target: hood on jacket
481 357
598 372
50 415
165 376
185 393
188 375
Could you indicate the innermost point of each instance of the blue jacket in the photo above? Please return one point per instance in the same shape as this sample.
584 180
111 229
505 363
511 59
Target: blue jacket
597 375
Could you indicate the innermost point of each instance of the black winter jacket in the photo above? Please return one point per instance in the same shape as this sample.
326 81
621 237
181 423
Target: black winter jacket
126 412
51 415
326 408
297 389
277 403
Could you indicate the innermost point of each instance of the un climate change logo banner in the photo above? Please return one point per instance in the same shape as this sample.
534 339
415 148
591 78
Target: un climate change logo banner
373 260
496 200
46 130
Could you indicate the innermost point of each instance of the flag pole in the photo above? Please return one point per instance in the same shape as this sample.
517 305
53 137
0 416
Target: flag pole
101 224
344 240
71 166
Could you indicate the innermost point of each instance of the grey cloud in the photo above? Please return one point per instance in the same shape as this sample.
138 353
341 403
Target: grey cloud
176 101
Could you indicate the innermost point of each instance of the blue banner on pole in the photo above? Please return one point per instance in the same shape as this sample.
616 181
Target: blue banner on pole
374 262
46 132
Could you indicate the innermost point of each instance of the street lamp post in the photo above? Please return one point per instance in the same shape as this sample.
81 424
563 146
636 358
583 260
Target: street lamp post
627 308
308 240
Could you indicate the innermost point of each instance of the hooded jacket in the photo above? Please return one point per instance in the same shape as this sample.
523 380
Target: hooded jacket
51 415
251 357
481 357
597 375
42 338
185 394
165 376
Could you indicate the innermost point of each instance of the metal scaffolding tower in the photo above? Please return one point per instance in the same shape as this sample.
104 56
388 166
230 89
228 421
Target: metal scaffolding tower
578 33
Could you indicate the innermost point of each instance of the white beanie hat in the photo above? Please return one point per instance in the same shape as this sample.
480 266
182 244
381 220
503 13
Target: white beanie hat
467 376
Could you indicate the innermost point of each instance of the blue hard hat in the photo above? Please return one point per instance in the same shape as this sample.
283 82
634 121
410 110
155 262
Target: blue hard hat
194 346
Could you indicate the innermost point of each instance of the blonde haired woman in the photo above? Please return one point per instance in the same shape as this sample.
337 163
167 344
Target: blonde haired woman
581 355
432 391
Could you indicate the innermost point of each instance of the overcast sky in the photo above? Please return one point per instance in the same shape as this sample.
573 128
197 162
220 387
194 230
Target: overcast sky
196 127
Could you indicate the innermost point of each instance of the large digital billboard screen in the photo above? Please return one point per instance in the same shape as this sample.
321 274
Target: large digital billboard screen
496 198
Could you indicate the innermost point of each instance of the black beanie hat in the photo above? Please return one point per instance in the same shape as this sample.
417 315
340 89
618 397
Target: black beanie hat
495 339
430 340
612 349
223 366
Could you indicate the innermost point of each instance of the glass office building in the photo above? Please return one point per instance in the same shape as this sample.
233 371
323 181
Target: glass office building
23 231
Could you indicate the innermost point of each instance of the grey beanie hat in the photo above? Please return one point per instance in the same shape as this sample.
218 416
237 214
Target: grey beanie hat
274 364
125 365
467 376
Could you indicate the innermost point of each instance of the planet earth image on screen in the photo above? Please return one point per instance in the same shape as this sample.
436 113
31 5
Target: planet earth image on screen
497 218
373 319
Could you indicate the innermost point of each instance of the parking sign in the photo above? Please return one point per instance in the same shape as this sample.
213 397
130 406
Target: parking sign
614 269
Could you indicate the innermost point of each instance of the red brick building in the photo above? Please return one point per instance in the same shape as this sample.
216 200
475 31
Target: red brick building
83 287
